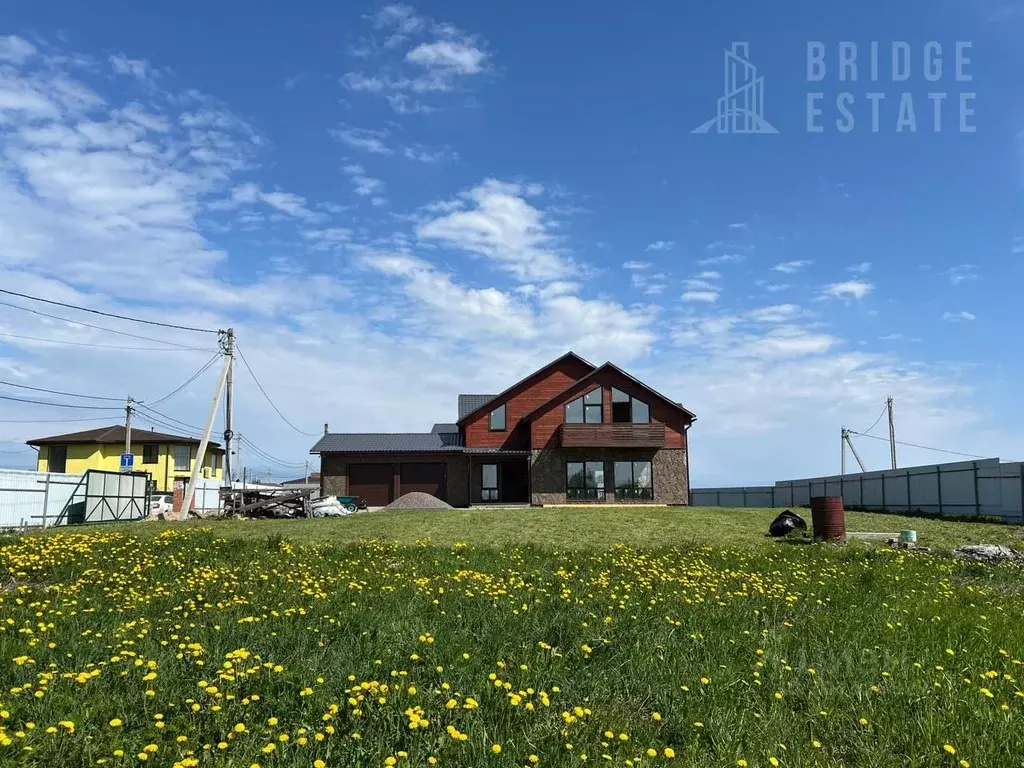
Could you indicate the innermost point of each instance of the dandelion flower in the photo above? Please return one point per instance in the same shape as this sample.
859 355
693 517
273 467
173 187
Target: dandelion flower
496 749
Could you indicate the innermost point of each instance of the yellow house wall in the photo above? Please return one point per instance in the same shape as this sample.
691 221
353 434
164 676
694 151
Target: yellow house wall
108 457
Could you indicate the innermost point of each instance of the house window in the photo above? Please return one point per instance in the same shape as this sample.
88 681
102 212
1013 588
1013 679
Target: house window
182 458
585 480
627 409
633 481
489 482
213 462
57 458
150 453
496 421
585 409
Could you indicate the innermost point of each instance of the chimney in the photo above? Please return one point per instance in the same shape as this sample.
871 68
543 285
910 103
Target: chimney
325 427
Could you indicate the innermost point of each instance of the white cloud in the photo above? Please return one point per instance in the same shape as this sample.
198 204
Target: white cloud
423 154
708 275
739 225
15 49
365 186
364 139
962 273
284 202
777 287
725 258
780 313
959 317
495 220
848 289
707 297
138 68
661 245
860 269
791 267
1018 245
447 56
635 265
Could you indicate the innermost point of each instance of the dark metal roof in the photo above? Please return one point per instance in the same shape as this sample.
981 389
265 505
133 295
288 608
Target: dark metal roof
444 428
480 405
612 366
390 442
495 451
470 403
115 434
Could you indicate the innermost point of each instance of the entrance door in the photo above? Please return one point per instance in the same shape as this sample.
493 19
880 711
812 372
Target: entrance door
514 481
374 482
425 478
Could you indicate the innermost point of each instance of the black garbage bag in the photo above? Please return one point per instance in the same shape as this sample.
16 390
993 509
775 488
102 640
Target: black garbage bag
786 523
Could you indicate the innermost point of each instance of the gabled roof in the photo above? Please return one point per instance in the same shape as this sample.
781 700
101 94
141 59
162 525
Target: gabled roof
484 404
388 442
611 366
470 403
115 434
444 428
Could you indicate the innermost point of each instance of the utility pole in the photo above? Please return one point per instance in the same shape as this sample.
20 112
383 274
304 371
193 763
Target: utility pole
307 471
128 424
892 433
842 450
186 503
229 402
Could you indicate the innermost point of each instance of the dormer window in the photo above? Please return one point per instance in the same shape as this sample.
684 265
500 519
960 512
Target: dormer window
585 409
496 420
627 409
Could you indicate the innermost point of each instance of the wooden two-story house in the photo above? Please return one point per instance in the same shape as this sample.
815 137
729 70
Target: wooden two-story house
570 432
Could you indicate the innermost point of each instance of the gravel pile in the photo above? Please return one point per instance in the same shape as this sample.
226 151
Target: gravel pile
989 553
417 500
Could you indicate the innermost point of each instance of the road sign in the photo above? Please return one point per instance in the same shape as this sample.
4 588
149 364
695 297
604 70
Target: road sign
127 461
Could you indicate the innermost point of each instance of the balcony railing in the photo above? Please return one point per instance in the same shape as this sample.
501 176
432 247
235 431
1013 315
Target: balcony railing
612 435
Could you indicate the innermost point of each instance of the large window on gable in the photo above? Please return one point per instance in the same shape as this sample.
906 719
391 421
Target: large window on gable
627 409
633 481
585 409
585 480
496 419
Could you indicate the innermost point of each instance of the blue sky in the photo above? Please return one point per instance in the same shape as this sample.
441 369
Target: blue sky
396 203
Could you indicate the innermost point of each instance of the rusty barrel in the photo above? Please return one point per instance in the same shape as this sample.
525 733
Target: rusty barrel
828 518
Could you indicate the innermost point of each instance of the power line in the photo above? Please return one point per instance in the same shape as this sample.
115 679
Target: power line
52 421
58 405
57 392
107 314
95 327
101 346
23 450
146 410
192 378
248 368
884 409
267 456
922 447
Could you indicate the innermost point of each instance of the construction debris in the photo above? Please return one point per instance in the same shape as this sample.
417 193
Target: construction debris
267 502
989 553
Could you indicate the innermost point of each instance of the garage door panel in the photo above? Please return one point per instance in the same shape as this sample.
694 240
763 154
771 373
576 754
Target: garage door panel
374 482
425 477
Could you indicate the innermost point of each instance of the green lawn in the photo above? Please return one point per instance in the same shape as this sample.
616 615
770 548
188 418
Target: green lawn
597 527
536 638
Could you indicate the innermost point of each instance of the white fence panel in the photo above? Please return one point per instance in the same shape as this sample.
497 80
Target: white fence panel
30 498
207 496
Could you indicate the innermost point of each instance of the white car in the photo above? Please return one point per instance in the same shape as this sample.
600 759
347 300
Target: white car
161 504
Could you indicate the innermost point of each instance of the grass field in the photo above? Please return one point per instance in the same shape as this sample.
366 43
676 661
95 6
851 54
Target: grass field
534 637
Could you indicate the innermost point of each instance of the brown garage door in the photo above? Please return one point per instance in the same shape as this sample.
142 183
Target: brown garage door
426 478
374 482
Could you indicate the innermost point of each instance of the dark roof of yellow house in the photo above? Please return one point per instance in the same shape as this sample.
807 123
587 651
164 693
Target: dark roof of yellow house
115 434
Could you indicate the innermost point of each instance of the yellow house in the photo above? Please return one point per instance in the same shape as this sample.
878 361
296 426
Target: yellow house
165 457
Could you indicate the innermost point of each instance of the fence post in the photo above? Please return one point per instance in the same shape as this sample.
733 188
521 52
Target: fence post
909 508
744 497
977 501
883 493
938 484
46 497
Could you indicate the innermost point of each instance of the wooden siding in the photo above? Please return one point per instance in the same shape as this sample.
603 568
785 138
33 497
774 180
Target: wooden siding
545 424
612 435
532 393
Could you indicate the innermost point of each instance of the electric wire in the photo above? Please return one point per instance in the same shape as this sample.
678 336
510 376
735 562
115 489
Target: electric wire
101 346
52 421
95 327
107 314
278 410
58 392
922 447
58 405
143 408
866 431
192 378
260 452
